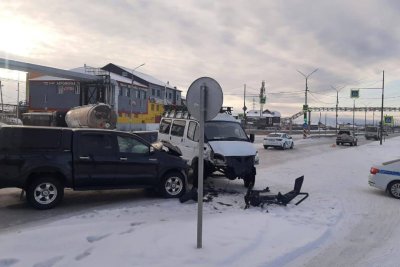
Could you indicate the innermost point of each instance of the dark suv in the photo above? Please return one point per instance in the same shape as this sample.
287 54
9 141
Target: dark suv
346 136
45 160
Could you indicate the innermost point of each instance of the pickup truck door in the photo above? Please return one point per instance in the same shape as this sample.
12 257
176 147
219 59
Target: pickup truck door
137 166
95 159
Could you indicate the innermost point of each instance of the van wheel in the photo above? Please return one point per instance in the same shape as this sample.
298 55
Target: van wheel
45 192
249 180
394 189
173 185
194 177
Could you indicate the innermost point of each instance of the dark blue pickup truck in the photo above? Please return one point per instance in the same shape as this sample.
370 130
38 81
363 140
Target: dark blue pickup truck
45 160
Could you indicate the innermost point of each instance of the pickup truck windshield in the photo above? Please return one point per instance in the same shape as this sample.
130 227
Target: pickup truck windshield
224 131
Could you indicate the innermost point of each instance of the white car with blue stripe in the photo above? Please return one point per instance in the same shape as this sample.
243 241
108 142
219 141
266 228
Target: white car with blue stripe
386 177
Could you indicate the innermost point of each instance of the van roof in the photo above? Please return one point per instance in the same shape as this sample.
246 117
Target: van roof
224 117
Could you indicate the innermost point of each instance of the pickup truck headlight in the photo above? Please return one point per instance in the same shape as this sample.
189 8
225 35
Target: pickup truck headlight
219 160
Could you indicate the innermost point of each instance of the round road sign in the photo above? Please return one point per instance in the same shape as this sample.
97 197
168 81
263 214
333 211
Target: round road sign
213 98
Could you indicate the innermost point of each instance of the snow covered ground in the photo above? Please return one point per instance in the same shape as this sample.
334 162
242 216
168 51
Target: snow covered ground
344 222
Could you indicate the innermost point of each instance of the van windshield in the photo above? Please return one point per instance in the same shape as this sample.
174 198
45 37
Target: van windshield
224 130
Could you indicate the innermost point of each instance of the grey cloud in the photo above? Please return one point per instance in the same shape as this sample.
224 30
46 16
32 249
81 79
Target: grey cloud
235 42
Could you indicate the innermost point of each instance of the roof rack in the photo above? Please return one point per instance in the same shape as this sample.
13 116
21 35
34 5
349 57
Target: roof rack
227 110
172 111
181 112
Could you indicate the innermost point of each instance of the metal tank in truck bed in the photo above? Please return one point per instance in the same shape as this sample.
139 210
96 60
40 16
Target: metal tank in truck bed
92 116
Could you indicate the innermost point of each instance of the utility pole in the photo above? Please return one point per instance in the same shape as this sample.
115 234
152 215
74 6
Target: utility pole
373 117
337 106
383 89
354 108
17 110
365 118
305 108
244 104
262 97
1 94
130 100
383 96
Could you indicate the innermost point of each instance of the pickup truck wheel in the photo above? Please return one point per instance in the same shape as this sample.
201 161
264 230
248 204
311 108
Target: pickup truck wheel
44 193
173 185
394 189
249 180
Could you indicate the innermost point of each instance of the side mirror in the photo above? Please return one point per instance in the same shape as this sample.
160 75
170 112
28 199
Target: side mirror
152 149
252 138
290 137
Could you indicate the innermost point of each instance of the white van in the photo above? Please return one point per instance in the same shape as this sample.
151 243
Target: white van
227 149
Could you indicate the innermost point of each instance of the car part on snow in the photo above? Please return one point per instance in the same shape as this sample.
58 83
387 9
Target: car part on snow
192 195
259 198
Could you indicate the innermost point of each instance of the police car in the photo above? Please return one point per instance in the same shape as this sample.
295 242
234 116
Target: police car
386 177
278 140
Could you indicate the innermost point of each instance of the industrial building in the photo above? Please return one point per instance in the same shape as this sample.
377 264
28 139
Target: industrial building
256 119
138 98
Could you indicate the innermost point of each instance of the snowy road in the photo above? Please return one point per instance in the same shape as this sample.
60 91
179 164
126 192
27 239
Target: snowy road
344 222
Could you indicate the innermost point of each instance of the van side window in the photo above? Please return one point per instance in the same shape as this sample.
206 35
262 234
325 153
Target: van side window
193 131
178 128
165 125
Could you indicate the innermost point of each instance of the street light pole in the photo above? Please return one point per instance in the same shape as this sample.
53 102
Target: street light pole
354 109
305 103
383 88
130 95
365 119
337 105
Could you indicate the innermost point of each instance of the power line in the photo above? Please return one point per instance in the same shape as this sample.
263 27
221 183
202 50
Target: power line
312 95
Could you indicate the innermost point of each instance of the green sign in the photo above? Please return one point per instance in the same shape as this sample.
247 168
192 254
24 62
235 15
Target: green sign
388 120
305 107
262 100
355 93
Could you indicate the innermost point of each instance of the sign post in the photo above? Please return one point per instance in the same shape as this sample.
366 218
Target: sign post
204 101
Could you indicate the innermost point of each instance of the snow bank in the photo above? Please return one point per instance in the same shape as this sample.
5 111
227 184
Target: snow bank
163 232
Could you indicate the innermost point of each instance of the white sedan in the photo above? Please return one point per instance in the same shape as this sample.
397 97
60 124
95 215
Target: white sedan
278 140
386 177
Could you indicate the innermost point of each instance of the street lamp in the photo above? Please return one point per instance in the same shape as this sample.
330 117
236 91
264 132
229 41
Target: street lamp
337 104
354 109
305 104
131 102
365 118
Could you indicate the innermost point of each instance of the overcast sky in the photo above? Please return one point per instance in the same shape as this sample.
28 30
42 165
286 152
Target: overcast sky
234 42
